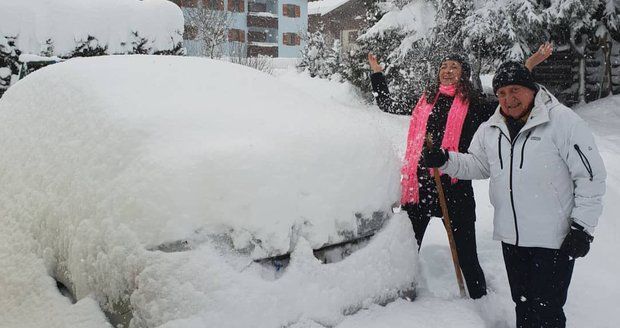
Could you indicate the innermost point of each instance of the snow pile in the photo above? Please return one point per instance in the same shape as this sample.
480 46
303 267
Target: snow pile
196 289
56 28
29 295
99 168
230 151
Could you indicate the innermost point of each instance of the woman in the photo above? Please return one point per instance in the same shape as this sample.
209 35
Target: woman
450 111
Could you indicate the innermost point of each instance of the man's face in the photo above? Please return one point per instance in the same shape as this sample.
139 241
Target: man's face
450 72
515 100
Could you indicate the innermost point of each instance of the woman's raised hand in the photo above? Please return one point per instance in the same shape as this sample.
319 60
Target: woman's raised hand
544 51
374 64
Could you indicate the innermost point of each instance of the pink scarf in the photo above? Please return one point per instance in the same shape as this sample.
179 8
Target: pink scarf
417 135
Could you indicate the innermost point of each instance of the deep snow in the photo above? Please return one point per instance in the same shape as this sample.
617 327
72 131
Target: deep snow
103 162
593 296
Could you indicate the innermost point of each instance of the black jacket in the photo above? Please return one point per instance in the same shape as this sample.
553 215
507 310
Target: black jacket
460 195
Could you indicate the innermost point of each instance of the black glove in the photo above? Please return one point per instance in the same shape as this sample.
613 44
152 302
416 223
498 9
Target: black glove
434 157
577 242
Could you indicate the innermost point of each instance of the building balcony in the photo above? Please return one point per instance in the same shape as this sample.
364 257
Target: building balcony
262 19
256 49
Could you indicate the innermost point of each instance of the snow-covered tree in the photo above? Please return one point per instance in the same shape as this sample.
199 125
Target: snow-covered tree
445 37
493 32
210 27
354 64
318 58
412 36
9 62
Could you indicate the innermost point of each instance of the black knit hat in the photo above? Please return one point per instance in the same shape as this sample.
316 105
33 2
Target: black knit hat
466 69
513 72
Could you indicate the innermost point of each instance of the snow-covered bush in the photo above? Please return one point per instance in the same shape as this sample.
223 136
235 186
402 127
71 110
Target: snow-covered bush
319 57
80 28
9 62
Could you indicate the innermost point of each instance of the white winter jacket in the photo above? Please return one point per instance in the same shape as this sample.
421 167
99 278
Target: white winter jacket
551 173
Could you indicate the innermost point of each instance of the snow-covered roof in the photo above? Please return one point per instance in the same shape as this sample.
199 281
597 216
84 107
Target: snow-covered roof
66 22
323 7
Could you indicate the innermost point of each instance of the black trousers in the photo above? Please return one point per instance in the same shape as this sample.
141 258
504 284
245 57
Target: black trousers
539 279
463 229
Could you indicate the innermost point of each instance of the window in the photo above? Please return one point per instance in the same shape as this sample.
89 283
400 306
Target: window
291 39
236 5
289 10
254 36
257 7
236 35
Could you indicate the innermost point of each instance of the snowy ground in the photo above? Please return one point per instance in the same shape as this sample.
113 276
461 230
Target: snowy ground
29 297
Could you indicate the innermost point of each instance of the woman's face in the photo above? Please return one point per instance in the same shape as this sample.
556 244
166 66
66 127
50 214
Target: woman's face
450 72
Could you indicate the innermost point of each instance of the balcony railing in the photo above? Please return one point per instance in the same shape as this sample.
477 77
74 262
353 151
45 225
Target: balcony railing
263 20
262 49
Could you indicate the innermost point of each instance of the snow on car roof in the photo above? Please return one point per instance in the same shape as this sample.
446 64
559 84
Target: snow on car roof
65 22
173 146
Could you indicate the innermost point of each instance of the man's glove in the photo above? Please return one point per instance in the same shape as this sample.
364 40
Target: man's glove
434 157
577 242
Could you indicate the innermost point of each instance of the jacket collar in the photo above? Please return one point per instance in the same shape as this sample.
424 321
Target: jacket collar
544 101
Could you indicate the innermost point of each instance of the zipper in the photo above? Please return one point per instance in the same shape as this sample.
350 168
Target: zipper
499 147
512 200
585 161
499 150
523 148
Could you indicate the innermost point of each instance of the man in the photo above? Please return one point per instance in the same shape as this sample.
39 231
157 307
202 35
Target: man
547 180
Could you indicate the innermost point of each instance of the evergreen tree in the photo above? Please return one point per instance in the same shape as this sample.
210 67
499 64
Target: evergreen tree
490 32
317 57
9 62
496 32
446 37
410 57
354 66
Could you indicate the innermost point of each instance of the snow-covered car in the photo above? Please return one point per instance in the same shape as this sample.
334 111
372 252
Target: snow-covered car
170 189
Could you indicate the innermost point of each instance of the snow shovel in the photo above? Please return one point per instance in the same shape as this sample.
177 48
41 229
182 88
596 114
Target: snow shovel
446 222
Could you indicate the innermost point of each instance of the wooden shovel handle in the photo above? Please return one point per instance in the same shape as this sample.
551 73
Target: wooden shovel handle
446 222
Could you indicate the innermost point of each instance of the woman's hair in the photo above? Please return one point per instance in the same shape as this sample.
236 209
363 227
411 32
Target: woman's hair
463 86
